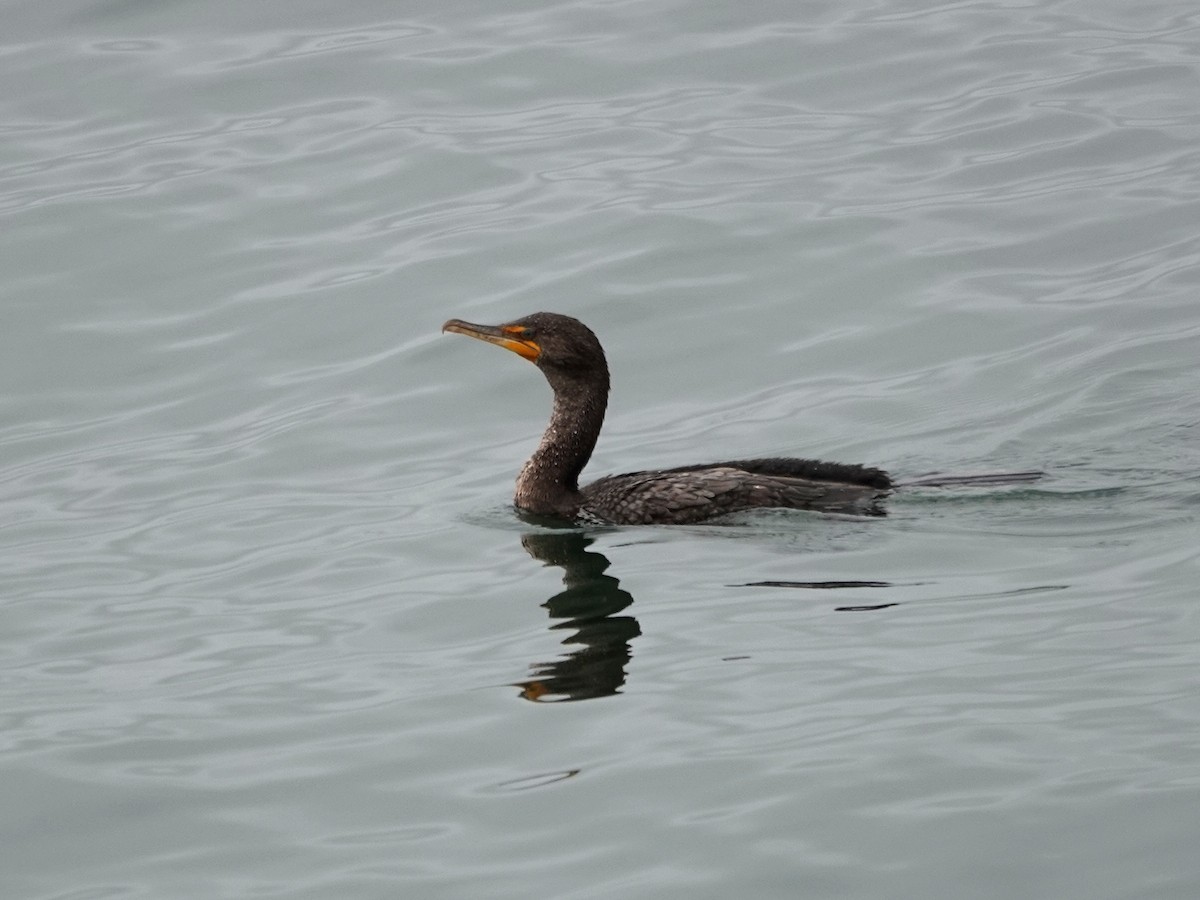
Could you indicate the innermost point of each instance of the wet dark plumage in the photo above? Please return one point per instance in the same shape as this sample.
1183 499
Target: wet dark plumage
572 360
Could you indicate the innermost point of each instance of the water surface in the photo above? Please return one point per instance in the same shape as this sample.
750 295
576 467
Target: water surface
269 625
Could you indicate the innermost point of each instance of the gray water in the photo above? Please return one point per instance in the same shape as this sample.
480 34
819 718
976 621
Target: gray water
269 626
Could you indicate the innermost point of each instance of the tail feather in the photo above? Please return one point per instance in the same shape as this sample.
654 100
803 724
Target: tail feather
989 480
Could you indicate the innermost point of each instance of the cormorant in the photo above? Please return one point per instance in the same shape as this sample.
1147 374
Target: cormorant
572 360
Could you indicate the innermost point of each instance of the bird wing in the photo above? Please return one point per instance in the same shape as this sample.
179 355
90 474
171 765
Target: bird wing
693 495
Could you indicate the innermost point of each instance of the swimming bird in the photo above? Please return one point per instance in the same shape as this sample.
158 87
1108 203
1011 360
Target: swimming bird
571 358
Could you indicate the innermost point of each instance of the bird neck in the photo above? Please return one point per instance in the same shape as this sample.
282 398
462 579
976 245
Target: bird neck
549 482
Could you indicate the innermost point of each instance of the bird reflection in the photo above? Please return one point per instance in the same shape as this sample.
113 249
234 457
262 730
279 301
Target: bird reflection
589 608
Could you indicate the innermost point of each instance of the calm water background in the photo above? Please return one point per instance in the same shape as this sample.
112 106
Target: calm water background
268 626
